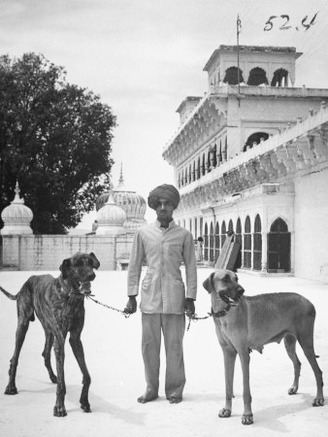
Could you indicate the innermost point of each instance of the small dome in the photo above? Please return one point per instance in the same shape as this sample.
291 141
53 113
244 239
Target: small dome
16 216
131 202
110 218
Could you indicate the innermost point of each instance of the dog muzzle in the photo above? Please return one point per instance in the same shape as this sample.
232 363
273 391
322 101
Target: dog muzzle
85 288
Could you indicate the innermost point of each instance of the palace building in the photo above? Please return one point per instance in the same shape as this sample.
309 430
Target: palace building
251 157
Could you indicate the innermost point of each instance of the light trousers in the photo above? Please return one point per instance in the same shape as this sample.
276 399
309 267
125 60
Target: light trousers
173 328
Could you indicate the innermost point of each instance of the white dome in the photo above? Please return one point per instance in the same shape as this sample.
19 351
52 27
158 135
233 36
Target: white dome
131 202
16 216
110 218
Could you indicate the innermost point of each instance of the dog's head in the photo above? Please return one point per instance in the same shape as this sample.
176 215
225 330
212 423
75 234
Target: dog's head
79 270
224 289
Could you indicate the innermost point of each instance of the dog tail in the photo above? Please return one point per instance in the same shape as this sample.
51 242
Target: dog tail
10 296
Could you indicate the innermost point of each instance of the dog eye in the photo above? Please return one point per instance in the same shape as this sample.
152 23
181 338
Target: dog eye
226 278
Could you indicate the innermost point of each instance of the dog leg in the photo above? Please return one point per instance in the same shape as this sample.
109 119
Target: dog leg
77 347
306 342
229 355
290 345
247 418
46 355
20 337
59 408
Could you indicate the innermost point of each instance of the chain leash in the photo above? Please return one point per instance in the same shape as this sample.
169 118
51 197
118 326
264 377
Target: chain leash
195 318
126 315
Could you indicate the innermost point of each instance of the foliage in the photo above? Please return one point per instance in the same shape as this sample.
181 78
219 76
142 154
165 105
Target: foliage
55 139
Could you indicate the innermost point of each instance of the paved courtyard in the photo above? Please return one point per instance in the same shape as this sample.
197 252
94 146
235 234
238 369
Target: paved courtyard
113 354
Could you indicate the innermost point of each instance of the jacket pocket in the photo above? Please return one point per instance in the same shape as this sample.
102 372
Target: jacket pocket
147 280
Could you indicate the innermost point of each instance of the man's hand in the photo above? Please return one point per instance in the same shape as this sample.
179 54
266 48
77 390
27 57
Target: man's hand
189 307
131 306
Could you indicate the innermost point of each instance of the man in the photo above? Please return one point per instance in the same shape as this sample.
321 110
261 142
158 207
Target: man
164 246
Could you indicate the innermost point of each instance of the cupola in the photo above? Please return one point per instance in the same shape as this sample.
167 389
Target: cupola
16 216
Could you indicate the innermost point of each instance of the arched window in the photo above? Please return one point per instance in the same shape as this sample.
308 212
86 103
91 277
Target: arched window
257 76
280 77
220 154
213 157
231 76
203 165
225 152
255 139
257 244
217 241
230 226
190 174
211 243
279 247
194 171
247 244
223 233
198 169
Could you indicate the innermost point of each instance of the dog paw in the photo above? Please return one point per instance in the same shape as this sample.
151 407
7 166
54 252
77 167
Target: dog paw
247 419
86 407
318 402
224 413
60 411
293 390
11 390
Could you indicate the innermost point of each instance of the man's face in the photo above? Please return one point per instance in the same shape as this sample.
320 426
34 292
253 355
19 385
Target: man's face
164 210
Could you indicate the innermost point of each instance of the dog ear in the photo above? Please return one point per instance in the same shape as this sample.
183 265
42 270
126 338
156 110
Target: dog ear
96 263
64 267
208 283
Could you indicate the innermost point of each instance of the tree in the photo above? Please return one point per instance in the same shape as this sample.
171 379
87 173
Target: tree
55 139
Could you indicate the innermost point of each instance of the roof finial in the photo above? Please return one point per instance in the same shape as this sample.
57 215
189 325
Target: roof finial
17 198
121 180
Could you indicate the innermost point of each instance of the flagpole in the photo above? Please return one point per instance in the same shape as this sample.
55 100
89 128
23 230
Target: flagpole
238 74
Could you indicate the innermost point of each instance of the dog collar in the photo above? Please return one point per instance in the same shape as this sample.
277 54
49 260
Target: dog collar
221 313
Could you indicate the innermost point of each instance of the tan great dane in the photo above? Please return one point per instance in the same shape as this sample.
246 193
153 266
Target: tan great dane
244 323
59 305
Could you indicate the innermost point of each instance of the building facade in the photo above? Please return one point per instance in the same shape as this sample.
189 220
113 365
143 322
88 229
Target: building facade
251 156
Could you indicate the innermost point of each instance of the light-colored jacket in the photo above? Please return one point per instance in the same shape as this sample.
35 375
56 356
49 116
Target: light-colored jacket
164 250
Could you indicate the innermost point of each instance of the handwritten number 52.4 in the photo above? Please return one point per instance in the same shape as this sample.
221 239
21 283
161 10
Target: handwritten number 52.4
284 22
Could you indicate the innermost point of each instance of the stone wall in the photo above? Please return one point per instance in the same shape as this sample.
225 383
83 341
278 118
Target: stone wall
46 252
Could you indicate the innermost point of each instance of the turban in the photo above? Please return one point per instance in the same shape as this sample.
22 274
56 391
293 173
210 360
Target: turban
165 191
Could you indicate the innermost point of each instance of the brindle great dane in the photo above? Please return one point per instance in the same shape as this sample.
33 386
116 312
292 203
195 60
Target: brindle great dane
244 323
59 305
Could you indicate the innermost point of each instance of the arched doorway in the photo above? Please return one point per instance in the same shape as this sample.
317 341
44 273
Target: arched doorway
279 247
206 242
211 243
280 77
257 76
257 244
238 240
247 244
217 241
232 75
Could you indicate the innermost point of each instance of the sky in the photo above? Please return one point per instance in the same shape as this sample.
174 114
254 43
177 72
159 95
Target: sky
143 57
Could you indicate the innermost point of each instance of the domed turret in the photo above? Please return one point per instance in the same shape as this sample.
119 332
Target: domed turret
16 216
110 218
131 202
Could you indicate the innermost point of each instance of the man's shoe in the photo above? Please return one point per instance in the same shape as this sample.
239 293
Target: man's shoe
174 400
146 398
